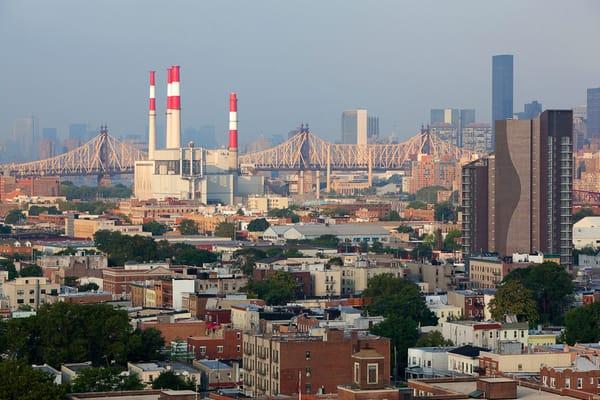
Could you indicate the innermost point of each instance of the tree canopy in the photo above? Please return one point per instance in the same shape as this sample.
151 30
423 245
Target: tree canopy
583 324
21 382
31 270
284 213
417 204
258 225
71 191
168 380
188 227
65 332
225 229
513 298
14 217
428 194
551 287
276 289
433 339
451 241
444 212
584 212
156 228
105 380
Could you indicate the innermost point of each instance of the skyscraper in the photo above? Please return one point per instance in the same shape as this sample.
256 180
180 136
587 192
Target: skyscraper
502 87
593 113
24 136
529 188
354 126
78 132
372 129
452 120
530 110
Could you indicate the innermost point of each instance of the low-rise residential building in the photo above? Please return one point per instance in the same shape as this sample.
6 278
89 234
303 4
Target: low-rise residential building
85 227
445 312
29 291
472 303
149 371
353 233
488 272
117 280
495 363
216 374
486 334
427 362
267 203
274 363
583 375
586 232
465 359
222 344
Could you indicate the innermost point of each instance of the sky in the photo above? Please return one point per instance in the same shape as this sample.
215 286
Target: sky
290 62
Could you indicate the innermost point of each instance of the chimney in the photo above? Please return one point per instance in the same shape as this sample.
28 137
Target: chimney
233 132
152 117
175 109
169 116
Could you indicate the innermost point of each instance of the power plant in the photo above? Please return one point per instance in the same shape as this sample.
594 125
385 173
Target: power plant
191 173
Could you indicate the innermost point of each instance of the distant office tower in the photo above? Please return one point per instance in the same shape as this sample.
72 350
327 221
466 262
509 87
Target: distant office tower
50 134
48 143
78 132
354 126
530 110
372 129
579 127
449 123
593 113
502 87
24 136
529 189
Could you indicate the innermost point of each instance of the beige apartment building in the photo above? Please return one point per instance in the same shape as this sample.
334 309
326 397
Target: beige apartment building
29 291
84 228
266 203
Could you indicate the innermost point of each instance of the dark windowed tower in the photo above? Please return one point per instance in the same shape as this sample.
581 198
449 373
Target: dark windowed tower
502 87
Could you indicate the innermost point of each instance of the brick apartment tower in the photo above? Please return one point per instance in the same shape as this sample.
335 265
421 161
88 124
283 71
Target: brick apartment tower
524 188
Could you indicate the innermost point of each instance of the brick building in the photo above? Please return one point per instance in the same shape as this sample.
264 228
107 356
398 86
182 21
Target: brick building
14 249
273 364
488 272
116 280
176 330
583 375
471 303
218 343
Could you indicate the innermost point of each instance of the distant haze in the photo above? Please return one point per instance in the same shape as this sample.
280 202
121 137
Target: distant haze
290 61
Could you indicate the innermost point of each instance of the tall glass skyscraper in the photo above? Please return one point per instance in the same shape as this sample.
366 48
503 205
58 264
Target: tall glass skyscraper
502 88
593 113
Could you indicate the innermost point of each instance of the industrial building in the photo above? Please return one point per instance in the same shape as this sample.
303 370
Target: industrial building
189 172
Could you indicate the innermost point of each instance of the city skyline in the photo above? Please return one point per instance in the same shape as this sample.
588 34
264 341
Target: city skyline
285 79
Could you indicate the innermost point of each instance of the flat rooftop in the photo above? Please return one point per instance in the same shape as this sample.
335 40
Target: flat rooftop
522 392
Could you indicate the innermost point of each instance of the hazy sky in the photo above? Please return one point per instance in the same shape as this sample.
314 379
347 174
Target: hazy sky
290 61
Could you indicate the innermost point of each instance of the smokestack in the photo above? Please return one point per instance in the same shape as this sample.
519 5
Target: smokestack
175 108
152 117
168 121
233 133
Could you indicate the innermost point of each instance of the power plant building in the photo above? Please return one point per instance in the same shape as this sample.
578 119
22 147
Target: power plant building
189 172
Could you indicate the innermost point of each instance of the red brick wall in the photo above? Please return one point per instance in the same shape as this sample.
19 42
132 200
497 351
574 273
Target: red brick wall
560 377
177 330
230 340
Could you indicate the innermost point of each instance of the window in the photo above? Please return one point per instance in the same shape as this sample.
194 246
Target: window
308 388
31 301
568 383
20 301
491 335
307 355
520 367
504 334
552 382
356 372
579 383
31 291
522 333
43 291
219 349
238 335
591 380
238 348
545 380
202 349
372 373
308 372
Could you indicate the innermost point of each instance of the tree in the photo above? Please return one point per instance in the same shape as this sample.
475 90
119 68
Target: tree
188 227
335 261
444 212
377 247
31 270
583 324
421 251
168 380
293 252
451 240
145 344
551 287
14 217
225 229
417 204
88 287
9 265
5 229
428 194
70 281
105 380
37 210
405 229
512 298
329 241
403 333
433 339
258 225
21 382
387 295
276 289
284 213
584 212
393 216
156 228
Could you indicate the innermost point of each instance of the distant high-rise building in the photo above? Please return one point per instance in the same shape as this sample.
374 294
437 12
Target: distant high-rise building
372 129
78 132
530 110
527 195
203 136
24 136
50 134
478 138
454 120
502 87
593 113
579 127
354 126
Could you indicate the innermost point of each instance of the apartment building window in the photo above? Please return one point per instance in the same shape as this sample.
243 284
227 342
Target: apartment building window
308 388
552 382
203 350
372 373
307 355
356 372
238 335
219 349
238 348
545 380
591 380
20 292
308 372
20 301
579 383
568 383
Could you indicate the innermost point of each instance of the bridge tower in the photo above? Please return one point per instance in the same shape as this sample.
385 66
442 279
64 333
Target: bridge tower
104 178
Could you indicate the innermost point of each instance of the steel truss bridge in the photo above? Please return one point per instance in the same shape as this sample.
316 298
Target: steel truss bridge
102 156
305 151
105 156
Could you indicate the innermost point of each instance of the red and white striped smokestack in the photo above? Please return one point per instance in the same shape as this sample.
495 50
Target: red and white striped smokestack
152 117
233 130
175 108
169 116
